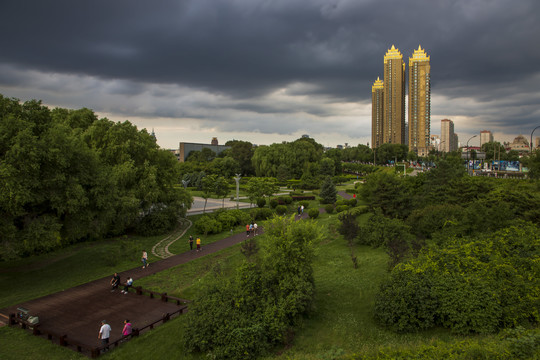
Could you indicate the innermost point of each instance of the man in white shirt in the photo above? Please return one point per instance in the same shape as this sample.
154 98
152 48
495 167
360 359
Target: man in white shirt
104 333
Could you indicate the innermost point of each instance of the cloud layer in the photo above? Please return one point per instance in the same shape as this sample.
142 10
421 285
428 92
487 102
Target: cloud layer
268 71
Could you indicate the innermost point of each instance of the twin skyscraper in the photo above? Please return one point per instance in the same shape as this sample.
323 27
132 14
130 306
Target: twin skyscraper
388 102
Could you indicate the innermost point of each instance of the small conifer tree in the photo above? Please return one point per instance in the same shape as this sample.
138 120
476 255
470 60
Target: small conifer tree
328 191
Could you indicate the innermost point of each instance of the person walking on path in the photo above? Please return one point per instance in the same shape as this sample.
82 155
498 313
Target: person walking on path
198 244
144 259
247 230
115 281
104 334
255 229
128 328
191 242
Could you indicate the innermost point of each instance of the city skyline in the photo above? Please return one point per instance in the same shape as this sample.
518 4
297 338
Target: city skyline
268 72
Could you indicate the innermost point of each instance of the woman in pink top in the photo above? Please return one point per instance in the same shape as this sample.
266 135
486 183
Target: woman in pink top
127 328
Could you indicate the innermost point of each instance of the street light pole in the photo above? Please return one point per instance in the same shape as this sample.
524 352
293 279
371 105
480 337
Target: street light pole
531 146
472 137
237 179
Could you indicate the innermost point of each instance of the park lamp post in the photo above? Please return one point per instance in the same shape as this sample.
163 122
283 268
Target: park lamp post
531 144
472 137
185 183
237 179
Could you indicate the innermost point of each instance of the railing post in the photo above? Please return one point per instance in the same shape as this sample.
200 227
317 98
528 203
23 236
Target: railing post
139 290
12 320
166 318
164 297
95 353
63 341
35 330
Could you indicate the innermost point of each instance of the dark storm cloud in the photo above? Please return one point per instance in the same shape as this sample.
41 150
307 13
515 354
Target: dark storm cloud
245 50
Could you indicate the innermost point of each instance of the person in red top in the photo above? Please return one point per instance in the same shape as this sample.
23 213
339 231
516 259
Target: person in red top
247 230
127 328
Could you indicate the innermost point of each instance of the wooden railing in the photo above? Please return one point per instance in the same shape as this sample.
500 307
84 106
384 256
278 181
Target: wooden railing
94 352
164 297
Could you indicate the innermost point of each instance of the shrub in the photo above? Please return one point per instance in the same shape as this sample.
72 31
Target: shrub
359 210
329 208
352 202
304 203
341 202
304 197
285 200
341 208
207 225
273 203
261 202
281 209
406 303
313 213
469 285
260 213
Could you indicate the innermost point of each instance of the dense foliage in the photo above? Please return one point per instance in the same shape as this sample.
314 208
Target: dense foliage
67 176
244 317
446 270
470 285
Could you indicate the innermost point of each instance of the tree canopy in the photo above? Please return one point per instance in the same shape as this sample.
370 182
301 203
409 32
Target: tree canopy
67 176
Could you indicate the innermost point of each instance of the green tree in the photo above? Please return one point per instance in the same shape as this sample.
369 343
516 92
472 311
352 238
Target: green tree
328 191
222 188
327 167
208 187
244 317
242 152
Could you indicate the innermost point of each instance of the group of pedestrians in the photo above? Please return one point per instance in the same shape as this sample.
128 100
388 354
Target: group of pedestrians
105 332
198 242
252 229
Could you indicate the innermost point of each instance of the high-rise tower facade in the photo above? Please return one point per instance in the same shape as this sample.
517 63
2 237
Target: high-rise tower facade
448 139
377 111
485 137
419 102
394 97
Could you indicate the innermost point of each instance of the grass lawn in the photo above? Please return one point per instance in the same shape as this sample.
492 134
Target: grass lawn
341 323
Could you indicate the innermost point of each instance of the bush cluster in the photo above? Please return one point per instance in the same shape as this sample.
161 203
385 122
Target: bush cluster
244 317
285 200
281 209
218 221
313 213
474 285
260 213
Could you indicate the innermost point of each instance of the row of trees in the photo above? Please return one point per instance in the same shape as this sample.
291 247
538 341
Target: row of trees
67 176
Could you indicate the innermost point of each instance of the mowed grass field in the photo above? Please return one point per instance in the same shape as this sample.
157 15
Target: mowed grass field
341 322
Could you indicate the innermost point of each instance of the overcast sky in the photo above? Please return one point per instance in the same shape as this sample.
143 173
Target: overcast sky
267 71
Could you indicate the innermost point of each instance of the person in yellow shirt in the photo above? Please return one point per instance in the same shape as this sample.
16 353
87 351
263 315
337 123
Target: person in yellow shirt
198 243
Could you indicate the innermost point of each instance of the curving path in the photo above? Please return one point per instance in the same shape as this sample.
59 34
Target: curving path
161 249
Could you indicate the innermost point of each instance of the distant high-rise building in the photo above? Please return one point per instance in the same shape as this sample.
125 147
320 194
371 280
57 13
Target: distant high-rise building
419 101
394 97
214 141
485 137
377 110
448 138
